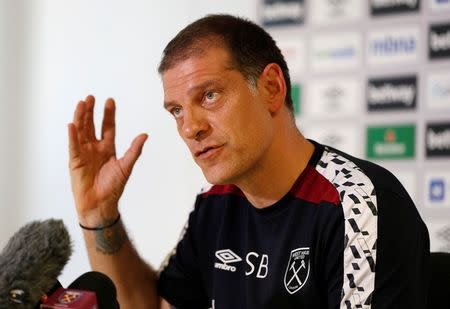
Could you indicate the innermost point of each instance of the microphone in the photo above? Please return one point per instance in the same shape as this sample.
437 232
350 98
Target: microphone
70 299
102 285
90 290
31 263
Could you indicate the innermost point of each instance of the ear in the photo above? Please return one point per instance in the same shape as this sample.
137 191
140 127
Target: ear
273 86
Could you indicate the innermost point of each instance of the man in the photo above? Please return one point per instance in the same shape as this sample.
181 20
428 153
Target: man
288 223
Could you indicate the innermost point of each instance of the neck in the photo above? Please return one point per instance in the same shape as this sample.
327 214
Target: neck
275 175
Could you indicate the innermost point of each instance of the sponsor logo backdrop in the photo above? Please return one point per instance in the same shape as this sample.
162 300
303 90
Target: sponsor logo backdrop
372 78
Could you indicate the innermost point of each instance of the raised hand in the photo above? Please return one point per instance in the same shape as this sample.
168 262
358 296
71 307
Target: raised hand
98 177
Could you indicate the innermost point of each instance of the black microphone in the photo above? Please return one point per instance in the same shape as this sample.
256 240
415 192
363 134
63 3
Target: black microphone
102 285
31 263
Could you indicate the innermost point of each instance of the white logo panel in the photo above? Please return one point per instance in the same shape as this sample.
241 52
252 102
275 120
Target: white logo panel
340 51
397 46
333 98
438 90
340 135
439 5
439 231
325 12
293 50
437 189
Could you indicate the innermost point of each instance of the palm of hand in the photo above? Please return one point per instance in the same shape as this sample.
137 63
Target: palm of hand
100 176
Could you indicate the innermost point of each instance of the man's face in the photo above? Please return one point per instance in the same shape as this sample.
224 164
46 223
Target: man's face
224 122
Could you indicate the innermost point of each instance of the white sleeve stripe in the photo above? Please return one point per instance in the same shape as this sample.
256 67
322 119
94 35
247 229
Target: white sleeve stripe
359 205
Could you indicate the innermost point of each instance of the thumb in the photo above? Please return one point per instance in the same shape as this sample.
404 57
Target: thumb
130 157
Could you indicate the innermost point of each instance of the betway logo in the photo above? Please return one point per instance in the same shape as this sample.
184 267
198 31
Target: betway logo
440 41
392 93
393 3
389 93
394 45
283 10
438 140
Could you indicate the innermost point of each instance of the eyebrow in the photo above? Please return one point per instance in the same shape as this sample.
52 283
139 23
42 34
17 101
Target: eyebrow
194 89
167 104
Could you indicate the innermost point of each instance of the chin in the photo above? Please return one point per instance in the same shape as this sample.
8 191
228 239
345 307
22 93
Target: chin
218 176
216 180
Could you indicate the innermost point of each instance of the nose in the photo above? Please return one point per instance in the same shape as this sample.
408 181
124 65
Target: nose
194 125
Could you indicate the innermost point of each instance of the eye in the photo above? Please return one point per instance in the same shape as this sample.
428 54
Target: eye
177 112
210 95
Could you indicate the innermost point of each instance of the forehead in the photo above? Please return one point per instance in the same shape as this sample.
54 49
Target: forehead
213 63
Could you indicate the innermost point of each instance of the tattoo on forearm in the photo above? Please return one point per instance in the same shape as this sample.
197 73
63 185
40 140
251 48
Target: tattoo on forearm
110 240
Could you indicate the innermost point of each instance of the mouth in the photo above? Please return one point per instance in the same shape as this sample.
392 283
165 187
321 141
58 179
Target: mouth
207 151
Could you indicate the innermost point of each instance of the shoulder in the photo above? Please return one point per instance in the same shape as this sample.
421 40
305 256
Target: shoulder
378 175
346 171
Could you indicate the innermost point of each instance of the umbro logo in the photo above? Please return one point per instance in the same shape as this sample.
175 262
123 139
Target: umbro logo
227 256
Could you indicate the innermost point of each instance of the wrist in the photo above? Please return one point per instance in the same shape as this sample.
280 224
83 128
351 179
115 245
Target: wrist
101 227
98 217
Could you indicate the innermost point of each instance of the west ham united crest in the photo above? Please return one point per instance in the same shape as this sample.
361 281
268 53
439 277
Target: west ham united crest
297 271
69 297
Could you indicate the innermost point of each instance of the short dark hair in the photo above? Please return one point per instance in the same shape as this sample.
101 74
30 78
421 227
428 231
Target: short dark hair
251 48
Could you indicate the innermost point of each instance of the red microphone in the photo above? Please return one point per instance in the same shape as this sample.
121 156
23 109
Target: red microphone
92 290
70 299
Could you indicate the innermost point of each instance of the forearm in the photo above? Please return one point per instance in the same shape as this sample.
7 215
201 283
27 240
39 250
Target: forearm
111 252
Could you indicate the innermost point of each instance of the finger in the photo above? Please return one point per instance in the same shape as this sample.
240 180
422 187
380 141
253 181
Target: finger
74 145
78 121
89 126
78 115
133 153
109 121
